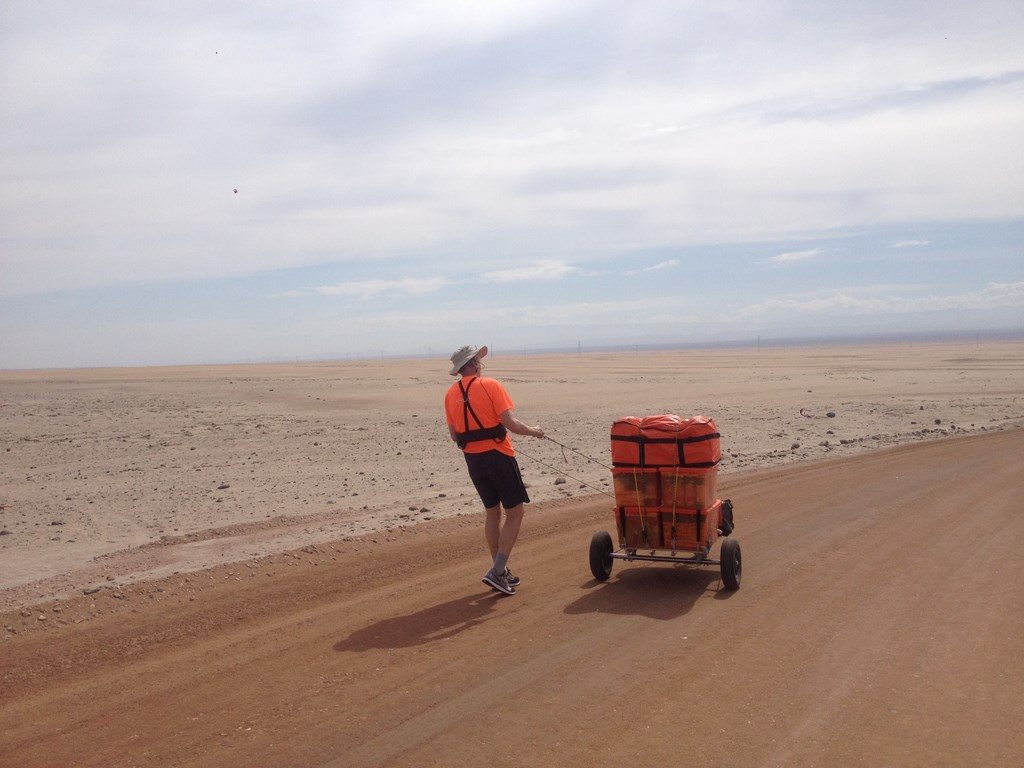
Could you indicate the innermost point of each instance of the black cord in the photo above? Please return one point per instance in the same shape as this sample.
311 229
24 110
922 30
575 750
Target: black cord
584 482
563 445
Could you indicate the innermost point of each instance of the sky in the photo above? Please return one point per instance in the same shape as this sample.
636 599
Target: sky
202 182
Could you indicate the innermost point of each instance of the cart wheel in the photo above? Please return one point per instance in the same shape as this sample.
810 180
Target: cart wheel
732 564
601 555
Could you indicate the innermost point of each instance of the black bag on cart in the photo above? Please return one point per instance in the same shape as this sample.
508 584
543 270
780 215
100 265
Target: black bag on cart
725 525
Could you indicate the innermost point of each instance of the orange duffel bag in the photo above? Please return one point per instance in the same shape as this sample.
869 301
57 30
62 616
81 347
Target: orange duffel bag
661 440
665 441
699 443
627 443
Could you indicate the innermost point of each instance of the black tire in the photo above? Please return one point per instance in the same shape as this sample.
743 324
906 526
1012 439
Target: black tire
732 564
601 555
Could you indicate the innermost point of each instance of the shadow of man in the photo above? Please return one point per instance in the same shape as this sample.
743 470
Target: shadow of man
437 622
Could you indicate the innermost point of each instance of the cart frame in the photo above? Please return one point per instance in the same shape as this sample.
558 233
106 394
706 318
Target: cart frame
603 554
699 557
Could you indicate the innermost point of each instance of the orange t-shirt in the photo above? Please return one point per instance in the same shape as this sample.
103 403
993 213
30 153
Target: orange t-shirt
489 400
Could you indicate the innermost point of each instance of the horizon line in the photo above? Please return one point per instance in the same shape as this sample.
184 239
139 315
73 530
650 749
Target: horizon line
759 343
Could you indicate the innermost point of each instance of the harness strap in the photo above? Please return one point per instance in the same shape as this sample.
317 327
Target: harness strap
467 409
496 433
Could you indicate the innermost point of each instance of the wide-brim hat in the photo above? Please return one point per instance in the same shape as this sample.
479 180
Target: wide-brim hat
463 355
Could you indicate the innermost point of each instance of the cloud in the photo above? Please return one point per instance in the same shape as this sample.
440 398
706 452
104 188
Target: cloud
792 256
661 265
541 270
615 313
909 243
654 267
638 312
421 286
894 96
369 289
992 296
598 177
662 131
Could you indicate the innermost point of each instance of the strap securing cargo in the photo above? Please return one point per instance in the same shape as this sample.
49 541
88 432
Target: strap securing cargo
644 537
639 440
699 438
679 442
675 501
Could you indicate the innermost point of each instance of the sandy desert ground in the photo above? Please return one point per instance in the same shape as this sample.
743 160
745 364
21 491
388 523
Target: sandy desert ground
112 475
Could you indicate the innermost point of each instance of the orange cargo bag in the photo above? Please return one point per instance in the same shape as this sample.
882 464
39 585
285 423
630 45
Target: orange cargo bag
700 444
661 440
688 488
627 443
638 528
692 529
636 487
665 441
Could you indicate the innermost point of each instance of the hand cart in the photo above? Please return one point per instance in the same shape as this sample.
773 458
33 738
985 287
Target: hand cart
653 537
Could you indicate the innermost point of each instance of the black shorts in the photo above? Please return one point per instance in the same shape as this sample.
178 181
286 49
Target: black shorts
497 478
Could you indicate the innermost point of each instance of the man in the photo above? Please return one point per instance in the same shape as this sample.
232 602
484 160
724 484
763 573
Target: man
480 415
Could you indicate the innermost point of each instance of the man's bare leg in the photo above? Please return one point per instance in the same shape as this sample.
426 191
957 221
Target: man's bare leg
492 528
510 530
506 539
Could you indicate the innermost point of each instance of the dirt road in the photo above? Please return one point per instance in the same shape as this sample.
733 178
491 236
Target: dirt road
880 623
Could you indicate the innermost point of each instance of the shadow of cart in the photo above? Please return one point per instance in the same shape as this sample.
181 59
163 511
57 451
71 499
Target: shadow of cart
656 592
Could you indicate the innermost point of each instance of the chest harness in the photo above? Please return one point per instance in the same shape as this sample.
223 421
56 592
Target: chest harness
496 433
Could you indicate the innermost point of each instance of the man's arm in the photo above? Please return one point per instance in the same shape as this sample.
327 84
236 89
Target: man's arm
512 424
